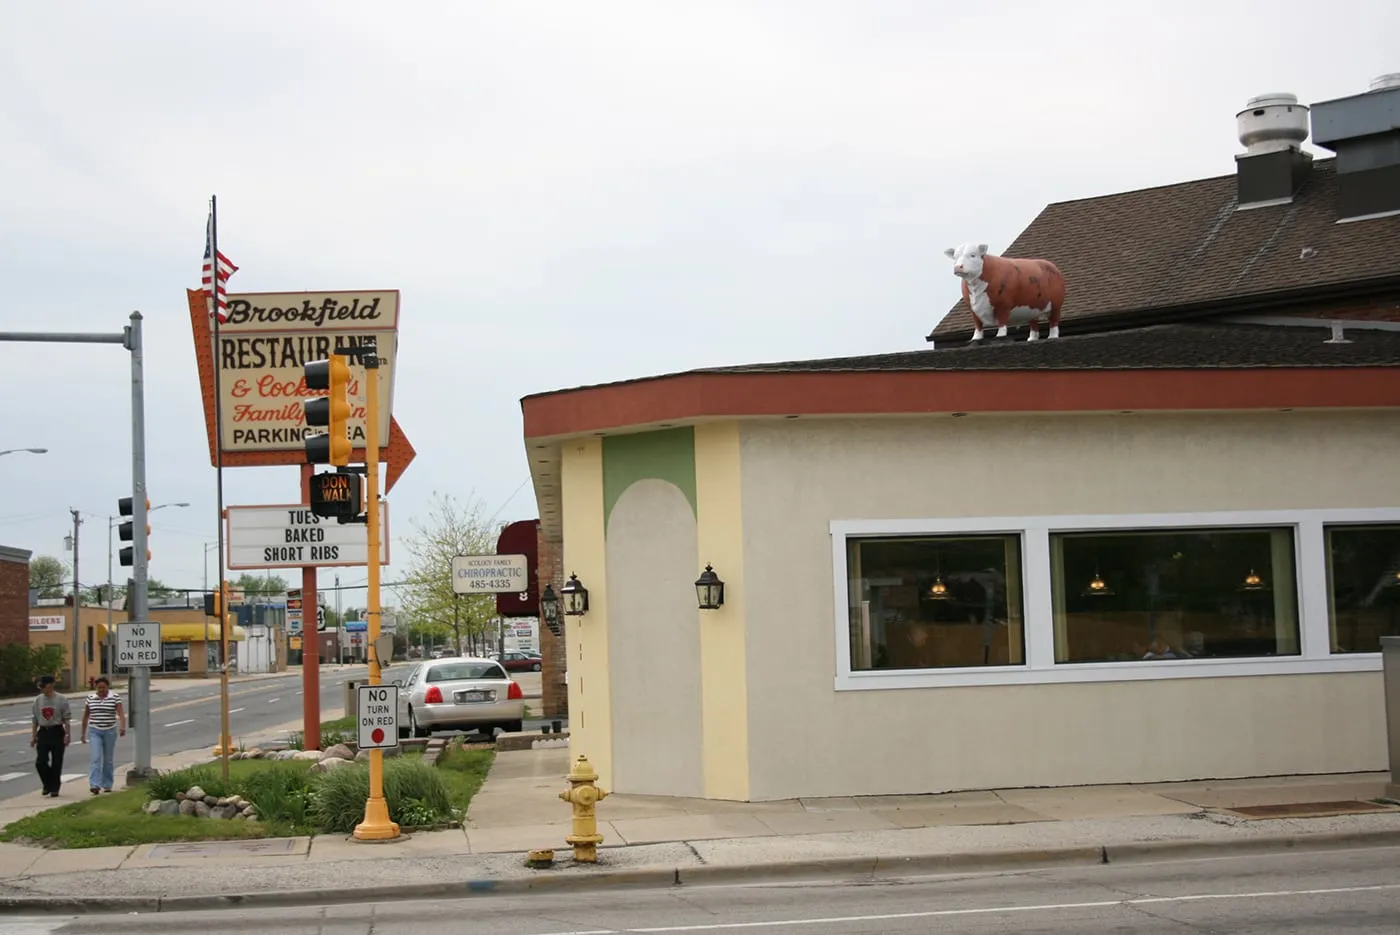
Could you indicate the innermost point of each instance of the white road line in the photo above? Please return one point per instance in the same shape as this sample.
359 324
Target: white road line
69 777
178 723
234 710
8 776
983 910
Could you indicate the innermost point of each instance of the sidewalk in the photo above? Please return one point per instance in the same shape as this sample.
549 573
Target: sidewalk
664 841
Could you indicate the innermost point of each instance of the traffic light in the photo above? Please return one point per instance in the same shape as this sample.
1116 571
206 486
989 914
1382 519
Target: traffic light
332 446
216 602
127 531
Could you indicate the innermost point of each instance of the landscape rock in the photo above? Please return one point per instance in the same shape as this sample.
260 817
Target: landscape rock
201 809
224 812
187 807
314 755
194 792
341 751
363 755
170 807
330 763
255 753
252 819
151 807
240 817
180 797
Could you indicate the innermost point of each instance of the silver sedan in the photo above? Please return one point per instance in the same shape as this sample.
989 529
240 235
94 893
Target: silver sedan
459 694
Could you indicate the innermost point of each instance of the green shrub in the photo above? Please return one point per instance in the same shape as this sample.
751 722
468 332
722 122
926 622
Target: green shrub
415 793
22 664
207 777
281 793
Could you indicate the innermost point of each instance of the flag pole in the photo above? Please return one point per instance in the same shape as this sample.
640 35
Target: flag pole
222 602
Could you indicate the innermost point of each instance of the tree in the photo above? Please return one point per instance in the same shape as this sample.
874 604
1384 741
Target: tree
255 586
451 529
49 576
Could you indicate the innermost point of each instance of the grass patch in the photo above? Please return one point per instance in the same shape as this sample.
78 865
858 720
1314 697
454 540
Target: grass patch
336 731
464 771
342 724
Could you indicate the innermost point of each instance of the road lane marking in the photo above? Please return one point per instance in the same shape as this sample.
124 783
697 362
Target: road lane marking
234 710
981 910
273 700
9 776
178 723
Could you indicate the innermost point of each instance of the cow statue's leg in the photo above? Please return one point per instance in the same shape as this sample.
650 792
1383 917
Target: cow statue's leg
1001 331
1054 331
977 333
1054 320
1035 330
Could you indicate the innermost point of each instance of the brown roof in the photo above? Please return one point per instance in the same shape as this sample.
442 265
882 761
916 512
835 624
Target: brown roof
1185 247
1184 346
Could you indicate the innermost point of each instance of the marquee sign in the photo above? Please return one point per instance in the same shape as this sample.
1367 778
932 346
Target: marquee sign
291 536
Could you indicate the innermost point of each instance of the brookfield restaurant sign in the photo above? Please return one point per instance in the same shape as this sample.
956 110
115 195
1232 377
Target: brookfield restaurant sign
266 341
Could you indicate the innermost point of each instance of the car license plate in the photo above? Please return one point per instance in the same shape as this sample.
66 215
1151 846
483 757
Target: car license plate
475 695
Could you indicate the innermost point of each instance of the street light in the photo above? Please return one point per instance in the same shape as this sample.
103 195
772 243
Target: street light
111 637
575 597
33 451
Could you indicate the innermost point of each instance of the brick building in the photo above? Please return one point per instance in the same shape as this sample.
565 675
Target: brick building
14 595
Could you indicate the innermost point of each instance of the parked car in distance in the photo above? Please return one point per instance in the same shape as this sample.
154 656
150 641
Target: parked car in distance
466 694
520 662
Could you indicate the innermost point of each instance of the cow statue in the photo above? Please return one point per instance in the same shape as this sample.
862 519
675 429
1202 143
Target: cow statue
1003 291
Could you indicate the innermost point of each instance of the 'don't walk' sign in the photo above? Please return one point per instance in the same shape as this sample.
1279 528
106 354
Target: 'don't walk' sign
378 716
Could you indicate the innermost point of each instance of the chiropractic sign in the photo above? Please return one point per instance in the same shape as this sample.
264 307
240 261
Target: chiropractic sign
263 346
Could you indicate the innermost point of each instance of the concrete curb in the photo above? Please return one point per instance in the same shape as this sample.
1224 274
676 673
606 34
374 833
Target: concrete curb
715 875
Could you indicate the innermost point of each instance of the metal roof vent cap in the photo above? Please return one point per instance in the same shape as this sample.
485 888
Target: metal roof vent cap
1272 123
1391 80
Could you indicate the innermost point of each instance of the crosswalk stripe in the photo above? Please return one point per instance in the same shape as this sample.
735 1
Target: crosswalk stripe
8 776
69 777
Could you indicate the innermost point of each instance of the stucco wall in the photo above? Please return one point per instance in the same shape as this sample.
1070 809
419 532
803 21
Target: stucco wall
797 476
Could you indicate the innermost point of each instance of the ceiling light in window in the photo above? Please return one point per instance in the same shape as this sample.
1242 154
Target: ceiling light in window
1253 582
939 590
1097 587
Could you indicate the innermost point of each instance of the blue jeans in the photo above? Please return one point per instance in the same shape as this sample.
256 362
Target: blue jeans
104 757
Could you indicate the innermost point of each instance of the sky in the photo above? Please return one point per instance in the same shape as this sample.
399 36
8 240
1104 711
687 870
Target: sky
563 193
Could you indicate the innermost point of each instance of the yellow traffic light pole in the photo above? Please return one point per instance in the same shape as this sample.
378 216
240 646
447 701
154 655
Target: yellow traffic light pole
376 825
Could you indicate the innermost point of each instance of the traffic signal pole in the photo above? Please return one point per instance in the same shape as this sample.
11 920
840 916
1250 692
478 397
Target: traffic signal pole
376 825
310 659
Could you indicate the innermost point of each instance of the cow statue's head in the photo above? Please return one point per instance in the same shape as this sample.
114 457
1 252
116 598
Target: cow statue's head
967 259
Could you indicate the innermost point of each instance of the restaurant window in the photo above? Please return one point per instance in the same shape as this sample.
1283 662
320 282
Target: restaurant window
1173 594
935 602
1363 586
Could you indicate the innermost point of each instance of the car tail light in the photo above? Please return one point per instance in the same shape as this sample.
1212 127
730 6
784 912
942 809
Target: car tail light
433 695
514 693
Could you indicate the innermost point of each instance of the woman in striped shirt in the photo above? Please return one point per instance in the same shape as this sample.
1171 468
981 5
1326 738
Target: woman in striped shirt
103 721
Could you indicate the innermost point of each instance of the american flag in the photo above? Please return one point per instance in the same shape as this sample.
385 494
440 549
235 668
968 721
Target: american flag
226 269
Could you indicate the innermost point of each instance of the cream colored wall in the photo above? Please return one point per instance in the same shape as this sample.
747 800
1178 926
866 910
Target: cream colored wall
586 638
654 642
723 632
800 475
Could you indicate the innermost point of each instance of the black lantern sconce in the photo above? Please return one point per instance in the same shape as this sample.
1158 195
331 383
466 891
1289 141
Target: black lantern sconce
549 609
575 597
709 589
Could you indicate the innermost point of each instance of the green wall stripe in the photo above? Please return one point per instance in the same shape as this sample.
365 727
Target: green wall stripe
667 455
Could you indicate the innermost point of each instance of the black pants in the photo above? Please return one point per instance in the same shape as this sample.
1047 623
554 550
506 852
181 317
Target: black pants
49 745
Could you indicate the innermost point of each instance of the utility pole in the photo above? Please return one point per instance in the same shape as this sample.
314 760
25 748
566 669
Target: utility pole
110 647
77 600
339 626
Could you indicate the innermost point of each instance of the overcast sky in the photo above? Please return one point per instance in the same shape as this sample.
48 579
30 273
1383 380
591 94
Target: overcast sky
564 193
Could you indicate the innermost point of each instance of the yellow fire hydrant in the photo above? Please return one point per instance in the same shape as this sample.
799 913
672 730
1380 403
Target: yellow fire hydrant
583 794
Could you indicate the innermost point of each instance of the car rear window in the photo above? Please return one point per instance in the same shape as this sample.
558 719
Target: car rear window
462 671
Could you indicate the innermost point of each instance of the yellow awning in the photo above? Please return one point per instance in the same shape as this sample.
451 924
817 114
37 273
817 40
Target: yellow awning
198 633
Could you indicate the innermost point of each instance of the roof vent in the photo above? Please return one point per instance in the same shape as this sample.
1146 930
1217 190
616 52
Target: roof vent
1272 122
1364 131
1273 166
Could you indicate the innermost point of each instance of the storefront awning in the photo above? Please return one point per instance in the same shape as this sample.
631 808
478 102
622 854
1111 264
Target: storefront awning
198 633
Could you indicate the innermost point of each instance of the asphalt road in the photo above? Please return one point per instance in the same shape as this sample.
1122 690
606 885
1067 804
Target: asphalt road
1350 891
185 719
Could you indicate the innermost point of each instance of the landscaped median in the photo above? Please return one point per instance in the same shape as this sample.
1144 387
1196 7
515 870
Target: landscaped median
264 798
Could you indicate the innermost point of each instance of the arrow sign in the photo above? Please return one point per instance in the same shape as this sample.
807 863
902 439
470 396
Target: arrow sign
397 455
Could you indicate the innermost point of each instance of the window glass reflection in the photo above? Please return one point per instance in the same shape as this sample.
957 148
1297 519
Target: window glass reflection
1363 585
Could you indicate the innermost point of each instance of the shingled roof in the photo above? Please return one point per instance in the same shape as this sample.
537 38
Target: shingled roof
1184 346
1180 250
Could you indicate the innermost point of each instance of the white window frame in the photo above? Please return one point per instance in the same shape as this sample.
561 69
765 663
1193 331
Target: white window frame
1040 668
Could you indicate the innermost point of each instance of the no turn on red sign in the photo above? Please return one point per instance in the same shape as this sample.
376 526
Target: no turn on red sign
379 716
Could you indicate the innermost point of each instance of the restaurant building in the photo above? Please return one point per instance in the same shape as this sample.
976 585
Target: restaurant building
1161 546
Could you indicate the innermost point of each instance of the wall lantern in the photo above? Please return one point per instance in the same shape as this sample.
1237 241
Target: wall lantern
549 609
575 597
709 589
